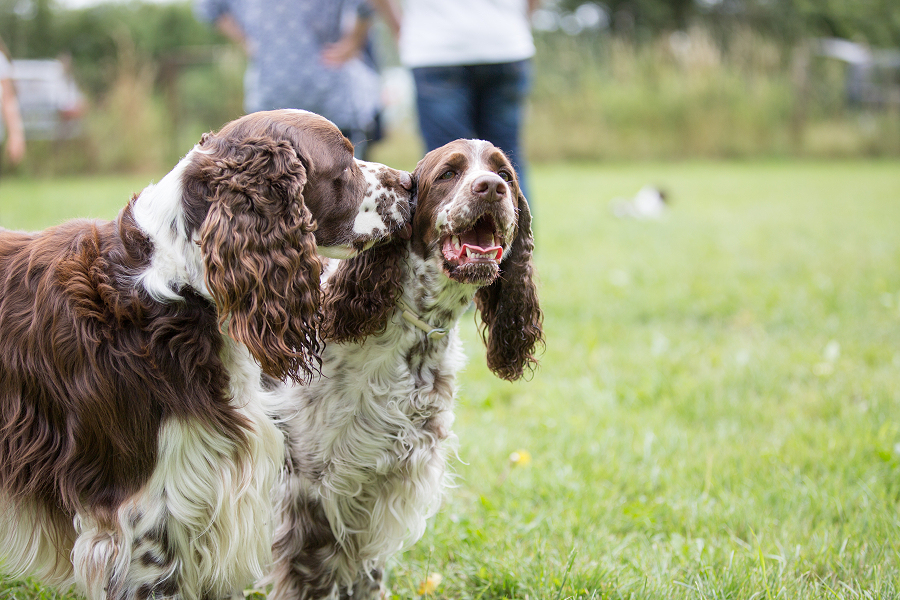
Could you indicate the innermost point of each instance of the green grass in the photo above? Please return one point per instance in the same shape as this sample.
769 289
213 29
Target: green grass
37 203
716 413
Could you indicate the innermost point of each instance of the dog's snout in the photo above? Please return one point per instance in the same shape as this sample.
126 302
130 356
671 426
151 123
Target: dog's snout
489 187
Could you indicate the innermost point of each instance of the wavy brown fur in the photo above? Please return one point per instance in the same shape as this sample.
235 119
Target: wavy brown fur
362 293
90 367
260 252
511 316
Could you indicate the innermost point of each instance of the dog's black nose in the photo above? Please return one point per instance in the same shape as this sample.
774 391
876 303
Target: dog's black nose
489 187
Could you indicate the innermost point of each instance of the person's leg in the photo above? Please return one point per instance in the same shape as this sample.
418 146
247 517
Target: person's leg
501 92
444 103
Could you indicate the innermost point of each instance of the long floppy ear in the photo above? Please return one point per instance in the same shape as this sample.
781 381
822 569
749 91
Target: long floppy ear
362 292
510 314
260 253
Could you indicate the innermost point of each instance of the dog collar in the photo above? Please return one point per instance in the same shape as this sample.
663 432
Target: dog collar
431 333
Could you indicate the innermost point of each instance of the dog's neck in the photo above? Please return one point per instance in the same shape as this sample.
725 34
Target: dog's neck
177 262
432 298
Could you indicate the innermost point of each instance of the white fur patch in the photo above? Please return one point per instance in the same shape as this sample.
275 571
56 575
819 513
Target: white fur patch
368 221
442 218
159 213
33 545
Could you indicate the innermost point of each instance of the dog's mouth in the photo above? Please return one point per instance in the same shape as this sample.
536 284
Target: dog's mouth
480 244
473 255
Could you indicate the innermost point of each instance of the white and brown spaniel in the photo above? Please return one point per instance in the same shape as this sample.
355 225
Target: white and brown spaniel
136 458
368 440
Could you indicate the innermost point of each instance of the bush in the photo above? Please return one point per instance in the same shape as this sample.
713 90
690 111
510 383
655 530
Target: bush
156 79
687 95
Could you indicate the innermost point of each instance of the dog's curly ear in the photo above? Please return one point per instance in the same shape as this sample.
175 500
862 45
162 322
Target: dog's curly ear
510 314
360 295
260 252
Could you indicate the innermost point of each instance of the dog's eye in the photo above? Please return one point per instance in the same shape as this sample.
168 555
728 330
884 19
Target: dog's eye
505 176
448 174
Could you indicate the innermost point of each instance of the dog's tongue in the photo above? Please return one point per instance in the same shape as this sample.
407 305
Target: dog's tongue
479 238
494 252
462 247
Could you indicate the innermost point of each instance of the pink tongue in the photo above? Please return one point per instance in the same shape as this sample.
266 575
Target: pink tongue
490 250
452 254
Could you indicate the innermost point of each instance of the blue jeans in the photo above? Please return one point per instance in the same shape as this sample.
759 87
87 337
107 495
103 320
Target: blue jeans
475 101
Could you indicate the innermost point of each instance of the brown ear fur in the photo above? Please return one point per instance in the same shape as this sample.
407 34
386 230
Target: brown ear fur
510 314
260 253
362 292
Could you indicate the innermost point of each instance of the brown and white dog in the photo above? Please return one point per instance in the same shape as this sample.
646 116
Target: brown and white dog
368 440
136 457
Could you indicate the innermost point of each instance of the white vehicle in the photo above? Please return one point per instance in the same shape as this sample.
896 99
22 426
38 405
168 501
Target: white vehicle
49 100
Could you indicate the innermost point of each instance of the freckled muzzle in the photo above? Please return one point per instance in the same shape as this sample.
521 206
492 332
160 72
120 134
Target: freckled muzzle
384 213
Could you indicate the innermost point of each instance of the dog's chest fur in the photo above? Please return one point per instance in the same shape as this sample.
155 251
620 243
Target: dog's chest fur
369 439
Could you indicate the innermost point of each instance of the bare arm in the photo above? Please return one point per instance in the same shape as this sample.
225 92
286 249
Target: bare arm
230 28
350 45
15 143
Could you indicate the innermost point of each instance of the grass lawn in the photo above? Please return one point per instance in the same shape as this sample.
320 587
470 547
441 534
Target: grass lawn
716 413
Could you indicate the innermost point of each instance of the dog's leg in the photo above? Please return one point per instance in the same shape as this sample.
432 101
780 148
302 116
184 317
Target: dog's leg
304 548
125 561
136 562
196 530
36 540
93 556
368 586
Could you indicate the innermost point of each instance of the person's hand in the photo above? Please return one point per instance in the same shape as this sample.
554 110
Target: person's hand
15 147
336 54
349 46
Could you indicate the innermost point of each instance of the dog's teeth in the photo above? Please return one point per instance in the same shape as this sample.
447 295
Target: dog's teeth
497 254
469 253
455 241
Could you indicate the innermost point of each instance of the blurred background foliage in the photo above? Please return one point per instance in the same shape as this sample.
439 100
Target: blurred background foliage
617 80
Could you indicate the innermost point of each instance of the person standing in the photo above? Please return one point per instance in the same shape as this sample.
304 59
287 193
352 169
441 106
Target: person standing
292 62
14 147
471 63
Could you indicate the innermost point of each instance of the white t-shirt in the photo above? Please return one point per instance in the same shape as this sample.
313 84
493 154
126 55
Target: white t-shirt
464 32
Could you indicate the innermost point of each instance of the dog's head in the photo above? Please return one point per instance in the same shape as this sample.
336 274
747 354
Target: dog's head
472 217
262 196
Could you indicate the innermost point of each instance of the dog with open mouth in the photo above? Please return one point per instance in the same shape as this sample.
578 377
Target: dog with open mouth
368 440
136 454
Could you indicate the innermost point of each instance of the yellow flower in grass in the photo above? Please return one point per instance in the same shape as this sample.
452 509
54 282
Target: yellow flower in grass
430 585
520 458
